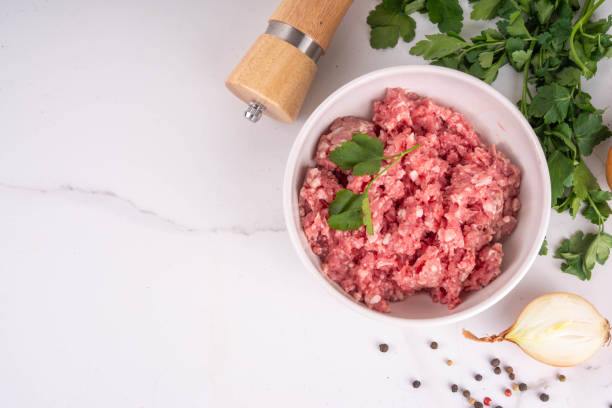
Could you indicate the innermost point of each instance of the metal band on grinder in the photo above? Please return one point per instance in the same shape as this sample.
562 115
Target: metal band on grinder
296 38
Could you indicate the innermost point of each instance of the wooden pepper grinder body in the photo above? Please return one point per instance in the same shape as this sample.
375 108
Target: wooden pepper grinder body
275 74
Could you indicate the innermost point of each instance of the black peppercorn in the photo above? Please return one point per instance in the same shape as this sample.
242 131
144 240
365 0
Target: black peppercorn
383 347
416 383
478 404
478 377
433 345
523 387
454 388
495 362
544 397
466 393
497 370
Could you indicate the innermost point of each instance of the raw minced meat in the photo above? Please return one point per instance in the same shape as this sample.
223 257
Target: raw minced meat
438 214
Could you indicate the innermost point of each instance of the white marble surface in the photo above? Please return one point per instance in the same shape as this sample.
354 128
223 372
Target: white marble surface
144 257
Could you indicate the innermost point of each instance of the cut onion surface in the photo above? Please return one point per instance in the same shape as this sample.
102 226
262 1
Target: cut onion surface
559 329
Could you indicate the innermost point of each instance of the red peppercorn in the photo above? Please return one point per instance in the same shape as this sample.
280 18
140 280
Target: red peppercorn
487 401
507 392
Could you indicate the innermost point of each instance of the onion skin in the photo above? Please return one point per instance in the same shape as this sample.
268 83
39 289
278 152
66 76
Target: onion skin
505 335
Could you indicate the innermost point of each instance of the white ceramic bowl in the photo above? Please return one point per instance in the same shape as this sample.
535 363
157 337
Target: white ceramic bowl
494 118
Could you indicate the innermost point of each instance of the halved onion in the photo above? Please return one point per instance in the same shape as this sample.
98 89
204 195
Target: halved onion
559 329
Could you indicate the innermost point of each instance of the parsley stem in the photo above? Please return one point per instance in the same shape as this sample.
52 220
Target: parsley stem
588 11
383 171
479 46
525 77
599 216
586 7
393 157
587 35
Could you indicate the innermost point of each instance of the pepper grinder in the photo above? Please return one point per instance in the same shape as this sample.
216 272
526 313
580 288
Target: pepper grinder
274 76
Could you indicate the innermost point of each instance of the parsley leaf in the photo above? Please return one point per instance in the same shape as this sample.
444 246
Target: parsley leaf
599 250
393 5
520 57
514 44
586 127
544 10
485 9
583 181
387 26
551 103
345 211
515 25
486 59
412 6
560 169
437 46
543 248
384 37
569 76
363 155
573 251
447 14
564 133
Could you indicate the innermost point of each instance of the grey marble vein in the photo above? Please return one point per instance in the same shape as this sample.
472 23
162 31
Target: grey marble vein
69 188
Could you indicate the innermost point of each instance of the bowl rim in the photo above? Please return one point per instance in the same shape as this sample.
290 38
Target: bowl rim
294 230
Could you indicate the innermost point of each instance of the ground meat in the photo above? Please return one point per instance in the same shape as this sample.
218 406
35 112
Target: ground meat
438 214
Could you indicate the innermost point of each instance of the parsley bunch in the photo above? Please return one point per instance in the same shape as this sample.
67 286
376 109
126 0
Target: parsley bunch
391 19
363 155
554 44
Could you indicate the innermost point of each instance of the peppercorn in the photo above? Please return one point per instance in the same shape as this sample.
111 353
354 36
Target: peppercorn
478 377
561 377
544 397
497 370
507 392
416 383
495 362
433 345
523 387
383 347
515 387
511 376
508 369
454 388
498 406
471 401
449 362
466 393
478 404
487 401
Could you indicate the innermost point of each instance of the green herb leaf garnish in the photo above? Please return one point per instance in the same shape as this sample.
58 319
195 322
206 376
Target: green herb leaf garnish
363 155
